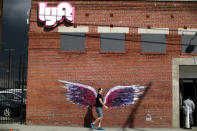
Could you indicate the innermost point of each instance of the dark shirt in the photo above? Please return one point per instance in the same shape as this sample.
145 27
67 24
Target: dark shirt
98 104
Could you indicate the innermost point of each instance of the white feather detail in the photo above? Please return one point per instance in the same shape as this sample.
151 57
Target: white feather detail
67 83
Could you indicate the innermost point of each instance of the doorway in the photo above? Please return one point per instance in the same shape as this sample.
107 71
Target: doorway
188 87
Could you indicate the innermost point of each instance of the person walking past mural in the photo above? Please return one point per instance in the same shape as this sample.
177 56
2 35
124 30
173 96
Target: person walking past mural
87 96
188 111
99 105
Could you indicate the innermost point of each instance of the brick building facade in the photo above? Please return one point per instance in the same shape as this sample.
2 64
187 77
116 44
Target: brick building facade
136 64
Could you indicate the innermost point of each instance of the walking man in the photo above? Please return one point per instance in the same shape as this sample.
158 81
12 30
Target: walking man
99 105
189 104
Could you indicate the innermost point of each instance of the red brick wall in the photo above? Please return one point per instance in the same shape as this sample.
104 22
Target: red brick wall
46 100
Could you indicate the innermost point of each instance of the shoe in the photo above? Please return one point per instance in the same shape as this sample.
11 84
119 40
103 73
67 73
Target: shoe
100 128
92 126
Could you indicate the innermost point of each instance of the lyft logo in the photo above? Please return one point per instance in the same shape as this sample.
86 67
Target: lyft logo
51 16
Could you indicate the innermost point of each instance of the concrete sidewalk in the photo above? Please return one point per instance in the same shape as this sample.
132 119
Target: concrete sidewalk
18 127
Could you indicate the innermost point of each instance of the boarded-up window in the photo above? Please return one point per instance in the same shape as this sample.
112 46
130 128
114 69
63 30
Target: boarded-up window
72 42
153 43
189 44
112 42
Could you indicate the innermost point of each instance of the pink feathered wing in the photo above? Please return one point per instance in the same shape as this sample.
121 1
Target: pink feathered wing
80 94
123 95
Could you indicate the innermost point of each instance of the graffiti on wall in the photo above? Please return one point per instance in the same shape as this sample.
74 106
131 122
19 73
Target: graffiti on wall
117 96
51 16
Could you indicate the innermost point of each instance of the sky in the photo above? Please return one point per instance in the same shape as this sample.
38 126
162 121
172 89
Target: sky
14 28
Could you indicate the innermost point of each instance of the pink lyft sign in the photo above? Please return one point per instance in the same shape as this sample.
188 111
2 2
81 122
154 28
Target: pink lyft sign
51 16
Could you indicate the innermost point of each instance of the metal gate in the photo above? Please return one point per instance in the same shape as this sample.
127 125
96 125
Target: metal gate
13 90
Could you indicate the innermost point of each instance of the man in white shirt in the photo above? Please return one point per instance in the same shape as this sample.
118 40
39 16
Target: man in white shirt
188 103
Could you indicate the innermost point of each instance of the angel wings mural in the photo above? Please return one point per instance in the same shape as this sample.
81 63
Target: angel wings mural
117 96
